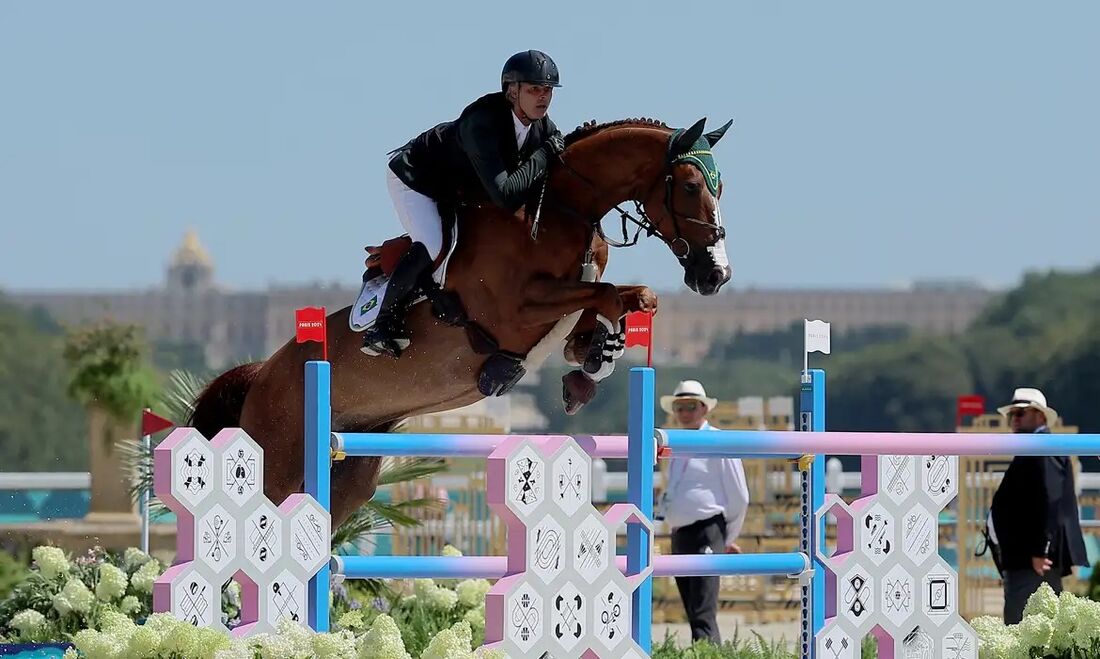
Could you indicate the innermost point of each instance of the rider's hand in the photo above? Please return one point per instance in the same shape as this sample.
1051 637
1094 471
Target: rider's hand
555 143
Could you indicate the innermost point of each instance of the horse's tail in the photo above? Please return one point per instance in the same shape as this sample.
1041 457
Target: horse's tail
219 404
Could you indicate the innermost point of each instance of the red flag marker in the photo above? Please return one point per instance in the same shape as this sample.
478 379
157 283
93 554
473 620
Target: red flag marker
639 332
310 325
153 423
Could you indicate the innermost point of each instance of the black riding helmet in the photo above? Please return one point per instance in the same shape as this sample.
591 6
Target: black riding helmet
531 66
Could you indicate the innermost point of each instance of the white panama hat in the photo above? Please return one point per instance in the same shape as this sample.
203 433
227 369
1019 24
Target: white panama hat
688 390
1025 397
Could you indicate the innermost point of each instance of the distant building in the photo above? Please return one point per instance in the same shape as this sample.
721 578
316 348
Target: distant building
191 307
686 325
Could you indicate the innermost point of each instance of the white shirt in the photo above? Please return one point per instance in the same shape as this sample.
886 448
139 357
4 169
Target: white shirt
699 488
521 130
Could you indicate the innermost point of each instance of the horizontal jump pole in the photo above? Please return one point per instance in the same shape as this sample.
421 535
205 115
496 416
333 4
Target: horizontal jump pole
790 444
496 567
420 567
726 565
455 446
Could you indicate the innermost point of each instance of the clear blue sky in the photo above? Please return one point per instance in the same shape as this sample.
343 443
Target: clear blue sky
875 142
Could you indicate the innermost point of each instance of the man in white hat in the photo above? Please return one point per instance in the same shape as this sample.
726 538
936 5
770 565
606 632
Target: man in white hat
1034 516
704 506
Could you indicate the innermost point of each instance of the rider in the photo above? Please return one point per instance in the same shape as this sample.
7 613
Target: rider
497 149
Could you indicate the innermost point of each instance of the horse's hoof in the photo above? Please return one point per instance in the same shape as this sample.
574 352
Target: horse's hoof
577 389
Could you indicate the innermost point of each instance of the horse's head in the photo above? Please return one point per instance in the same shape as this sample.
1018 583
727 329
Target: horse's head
683 208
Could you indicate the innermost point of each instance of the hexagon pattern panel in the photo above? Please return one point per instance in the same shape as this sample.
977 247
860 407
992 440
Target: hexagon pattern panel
568 598
226 528
894 579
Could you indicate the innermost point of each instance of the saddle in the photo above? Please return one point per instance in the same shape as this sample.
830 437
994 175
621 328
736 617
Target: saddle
502 371
383 259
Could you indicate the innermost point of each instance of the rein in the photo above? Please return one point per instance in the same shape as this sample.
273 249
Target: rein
644 224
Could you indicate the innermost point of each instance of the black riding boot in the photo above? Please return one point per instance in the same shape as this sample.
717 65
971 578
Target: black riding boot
388 334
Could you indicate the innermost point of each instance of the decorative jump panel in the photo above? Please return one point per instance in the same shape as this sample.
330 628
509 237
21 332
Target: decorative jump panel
566 595
886 577
226 528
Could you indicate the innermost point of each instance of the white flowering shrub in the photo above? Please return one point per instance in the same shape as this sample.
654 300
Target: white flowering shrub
63 595
101 604
1054 627
420 611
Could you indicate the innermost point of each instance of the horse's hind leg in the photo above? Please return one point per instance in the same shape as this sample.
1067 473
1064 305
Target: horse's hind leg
354 482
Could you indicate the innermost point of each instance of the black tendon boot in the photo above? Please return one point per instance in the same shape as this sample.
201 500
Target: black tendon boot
389 335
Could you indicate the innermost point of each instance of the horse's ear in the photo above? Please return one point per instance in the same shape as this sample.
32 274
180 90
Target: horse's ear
715 135
690 136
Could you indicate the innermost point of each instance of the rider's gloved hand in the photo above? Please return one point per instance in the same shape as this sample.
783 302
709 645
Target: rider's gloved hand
555 144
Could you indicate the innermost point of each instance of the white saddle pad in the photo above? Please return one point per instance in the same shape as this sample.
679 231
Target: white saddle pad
365 311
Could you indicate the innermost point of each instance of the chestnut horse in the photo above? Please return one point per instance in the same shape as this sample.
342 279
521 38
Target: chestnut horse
519 280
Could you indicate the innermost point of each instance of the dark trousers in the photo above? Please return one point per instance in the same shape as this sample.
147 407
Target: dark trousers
1020 584
700 594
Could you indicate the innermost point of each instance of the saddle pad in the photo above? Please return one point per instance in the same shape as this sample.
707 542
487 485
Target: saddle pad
366 307
365 310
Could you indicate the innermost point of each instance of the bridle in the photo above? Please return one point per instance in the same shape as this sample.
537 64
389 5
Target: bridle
645 223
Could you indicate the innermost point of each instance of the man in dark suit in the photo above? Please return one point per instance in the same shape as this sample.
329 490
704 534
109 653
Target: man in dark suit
1034 516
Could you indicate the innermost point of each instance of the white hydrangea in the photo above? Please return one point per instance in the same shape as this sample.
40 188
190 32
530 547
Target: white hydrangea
145 577
382 641
476 617
99 645
144 642
51 561
116 622
75 596
471 592
433 596
452 643
351 620
28 622
334 646
129 605
133 557
112 583
1042 602
1035 631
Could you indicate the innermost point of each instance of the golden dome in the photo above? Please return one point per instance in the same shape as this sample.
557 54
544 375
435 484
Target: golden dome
191 252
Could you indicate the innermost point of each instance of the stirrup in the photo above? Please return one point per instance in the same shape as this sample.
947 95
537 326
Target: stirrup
385 337
384 346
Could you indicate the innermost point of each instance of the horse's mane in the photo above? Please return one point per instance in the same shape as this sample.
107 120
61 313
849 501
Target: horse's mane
591 127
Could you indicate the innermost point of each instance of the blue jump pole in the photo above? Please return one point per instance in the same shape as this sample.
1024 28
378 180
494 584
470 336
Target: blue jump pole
318 474
811 418
639 465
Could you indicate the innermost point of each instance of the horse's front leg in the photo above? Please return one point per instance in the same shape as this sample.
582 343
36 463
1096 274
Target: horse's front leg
633 298
550 300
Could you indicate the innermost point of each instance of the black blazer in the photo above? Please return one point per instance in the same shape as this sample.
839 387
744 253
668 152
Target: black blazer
475 157
1035 514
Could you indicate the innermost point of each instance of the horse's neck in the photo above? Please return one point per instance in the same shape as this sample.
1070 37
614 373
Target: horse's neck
620 165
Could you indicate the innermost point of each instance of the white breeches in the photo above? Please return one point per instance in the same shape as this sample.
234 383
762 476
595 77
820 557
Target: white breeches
418 214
